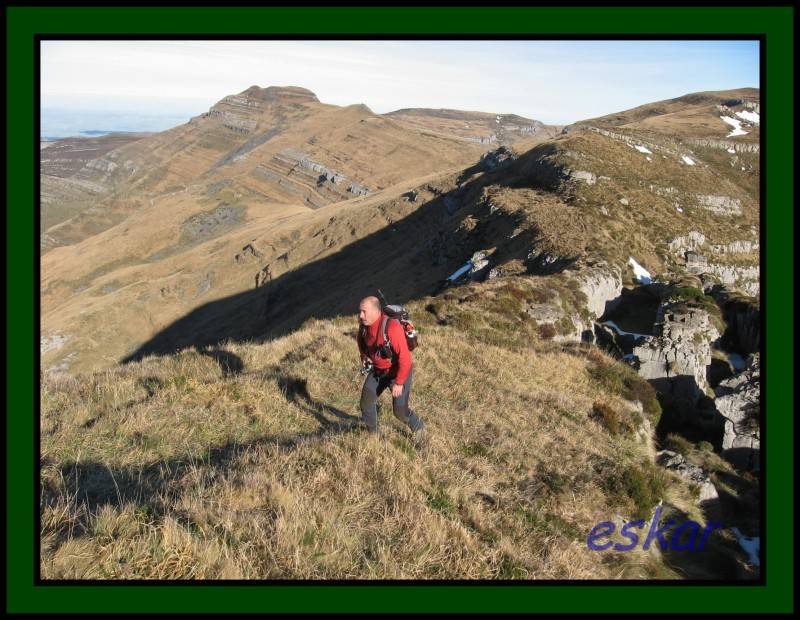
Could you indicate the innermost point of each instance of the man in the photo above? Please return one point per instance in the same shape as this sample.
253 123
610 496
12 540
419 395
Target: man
392 366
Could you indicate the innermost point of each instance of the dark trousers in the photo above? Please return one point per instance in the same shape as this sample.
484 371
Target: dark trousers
373 388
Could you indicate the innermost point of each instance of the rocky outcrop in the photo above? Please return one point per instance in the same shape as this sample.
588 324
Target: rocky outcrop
602 286
743 317
677 356
544 313
743 277
582 175
208 224
696 263
248 251
690 241
499 156
678 464
743 246
721 205
358 190
632 141
726 145
102 165
738 402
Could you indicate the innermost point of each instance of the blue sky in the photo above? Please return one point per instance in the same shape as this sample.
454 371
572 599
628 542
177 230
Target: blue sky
556 82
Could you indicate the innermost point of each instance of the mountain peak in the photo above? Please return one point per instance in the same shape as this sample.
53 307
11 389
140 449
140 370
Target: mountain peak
271 93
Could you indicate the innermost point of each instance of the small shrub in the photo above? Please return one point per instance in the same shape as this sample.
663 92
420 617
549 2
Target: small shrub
705 446
546 331
608 417
565 326
639 389
678 444
643 484
553 480
607 377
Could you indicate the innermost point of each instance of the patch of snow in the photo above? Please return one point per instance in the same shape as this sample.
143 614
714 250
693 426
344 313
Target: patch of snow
736 124
643 149
732 151
640 273
648 159
753 117
742 167
622 332
679 209
737 361
687 160
461 271
749 545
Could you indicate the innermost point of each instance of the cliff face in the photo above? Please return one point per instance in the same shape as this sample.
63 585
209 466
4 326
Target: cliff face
679 353
738 401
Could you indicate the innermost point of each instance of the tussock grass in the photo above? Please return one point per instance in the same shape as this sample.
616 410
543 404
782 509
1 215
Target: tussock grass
182 468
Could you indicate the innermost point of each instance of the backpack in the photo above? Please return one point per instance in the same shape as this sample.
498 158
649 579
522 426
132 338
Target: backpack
400 314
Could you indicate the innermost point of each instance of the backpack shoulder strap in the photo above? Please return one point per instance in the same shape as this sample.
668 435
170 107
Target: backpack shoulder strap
385 329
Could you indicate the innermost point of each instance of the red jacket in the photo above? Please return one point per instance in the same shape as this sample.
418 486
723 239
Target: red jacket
401 362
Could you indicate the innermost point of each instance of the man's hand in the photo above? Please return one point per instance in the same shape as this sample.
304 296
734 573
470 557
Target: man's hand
397 391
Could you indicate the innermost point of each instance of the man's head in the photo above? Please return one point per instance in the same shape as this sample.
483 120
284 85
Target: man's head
369 310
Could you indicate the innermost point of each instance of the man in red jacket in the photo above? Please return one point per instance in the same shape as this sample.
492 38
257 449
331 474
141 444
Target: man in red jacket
392 366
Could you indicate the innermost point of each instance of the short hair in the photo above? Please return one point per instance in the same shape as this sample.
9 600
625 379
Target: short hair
373 301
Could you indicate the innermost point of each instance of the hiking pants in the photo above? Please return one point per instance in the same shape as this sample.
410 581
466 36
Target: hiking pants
373 387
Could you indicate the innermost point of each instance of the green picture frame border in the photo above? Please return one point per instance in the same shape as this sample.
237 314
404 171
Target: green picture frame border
24 23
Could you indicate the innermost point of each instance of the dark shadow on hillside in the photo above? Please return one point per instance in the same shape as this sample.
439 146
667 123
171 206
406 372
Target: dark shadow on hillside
229 363
687 411
717 559
406 259
296 390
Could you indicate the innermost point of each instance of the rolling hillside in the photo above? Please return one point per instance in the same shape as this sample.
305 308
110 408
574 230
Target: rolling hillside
587 300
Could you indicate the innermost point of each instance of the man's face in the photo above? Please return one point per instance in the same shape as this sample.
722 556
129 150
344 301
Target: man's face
368 313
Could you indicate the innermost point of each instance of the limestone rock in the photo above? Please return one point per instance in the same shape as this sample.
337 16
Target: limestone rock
743 246
602 286
738 401
582 175
499 156
678 464
696 263
679 352
691 241
544 313
722 205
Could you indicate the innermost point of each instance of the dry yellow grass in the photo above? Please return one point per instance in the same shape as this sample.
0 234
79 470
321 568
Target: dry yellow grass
248 462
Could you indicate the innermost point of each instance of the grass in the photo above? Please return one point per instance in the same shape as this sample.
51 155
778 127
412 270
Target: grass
612 419
644 484
173 468
623 381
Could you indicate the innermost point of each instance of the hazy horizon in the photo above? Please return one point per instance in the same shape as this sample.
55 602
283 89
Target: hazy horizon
154 85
